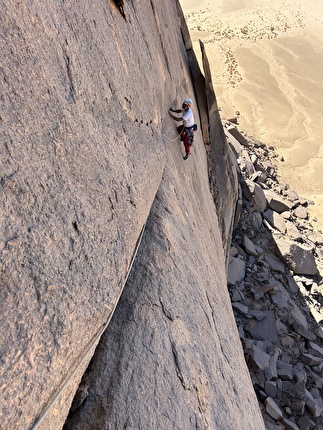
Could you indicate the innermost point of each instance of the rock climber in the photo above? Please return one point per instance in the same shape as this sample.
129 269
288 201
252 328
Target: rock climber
188 127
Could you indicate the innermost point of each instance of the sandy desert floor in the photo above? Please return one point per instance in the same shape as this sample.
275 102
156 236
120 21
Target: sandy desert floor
267 63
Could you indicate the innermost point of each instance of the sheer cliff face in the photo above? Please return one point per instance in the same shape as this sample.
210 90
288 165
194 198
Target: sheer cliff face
84 99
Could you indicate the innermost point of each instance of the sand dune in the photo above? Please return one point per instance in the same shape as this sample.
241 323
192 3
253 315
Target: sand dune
267 63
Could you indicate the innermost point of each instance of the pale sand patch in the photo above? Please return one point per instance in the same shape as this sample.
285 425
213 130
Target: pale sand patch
267 63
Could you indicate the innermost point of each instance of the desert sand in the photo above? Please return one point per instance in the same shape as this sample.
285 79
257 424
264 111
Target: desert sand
266 60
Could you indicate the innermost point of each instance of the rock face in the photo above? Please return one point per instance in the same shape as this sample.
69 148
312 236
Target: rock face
166 360
87 143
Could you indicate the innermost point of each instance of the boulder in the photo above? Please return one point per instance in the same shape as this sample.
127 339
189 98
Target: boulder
275 220
289 425
275 264
266 328
240 307
305 423
292 284
237 135
257 192
291 195
249 246
292 231
299 390
318 350
276 202
259 360
271 426
271 388
259 198
301 212
307 334
316 238
298 258
236 270
315 406
312 360
284 370
273 409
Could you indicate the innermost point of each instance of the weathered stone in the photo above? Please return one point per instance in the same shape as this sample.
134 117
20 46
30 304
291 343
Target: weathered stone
292 284
240 307
233 119
299 390
311 360
318 350
301 212
297 318
315 406
286 215
273 409
287 341
266 328
271 388
304 423
259 315
258 195
298 406
275 220
234 144
299 258
284 370
316 238
237 135
318 370
276 264
249 246
292 231
259 360
246 191
300 372
256 220
271 426
259 198
237 295
315 392
303 332
271 371
260 291
277 203
233 251
236 270
281 328
281 299
248 163
291 195
289 425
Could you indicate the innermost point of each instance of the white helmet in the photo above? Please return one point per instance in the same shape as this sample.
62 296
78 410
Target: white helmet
187 102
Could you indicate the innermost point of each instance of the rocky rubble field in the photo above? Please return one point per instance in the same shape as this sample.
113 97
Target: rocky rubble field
275 284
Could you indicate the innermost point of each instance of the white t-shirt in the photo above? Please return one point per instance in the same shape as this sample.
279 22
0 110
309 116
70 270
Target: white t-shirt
188 118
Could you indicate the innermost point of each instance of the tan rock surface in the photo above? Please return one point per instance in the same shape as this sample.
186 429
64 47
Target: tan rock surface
171 357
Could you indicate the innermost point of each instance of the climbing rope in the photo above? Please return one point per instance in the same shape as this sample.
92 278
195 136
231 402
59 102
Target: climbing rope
171 140
168 138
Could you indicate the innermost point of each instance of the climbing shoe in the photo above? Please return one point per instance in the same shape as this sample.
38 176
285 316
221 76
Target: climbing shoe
186 156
